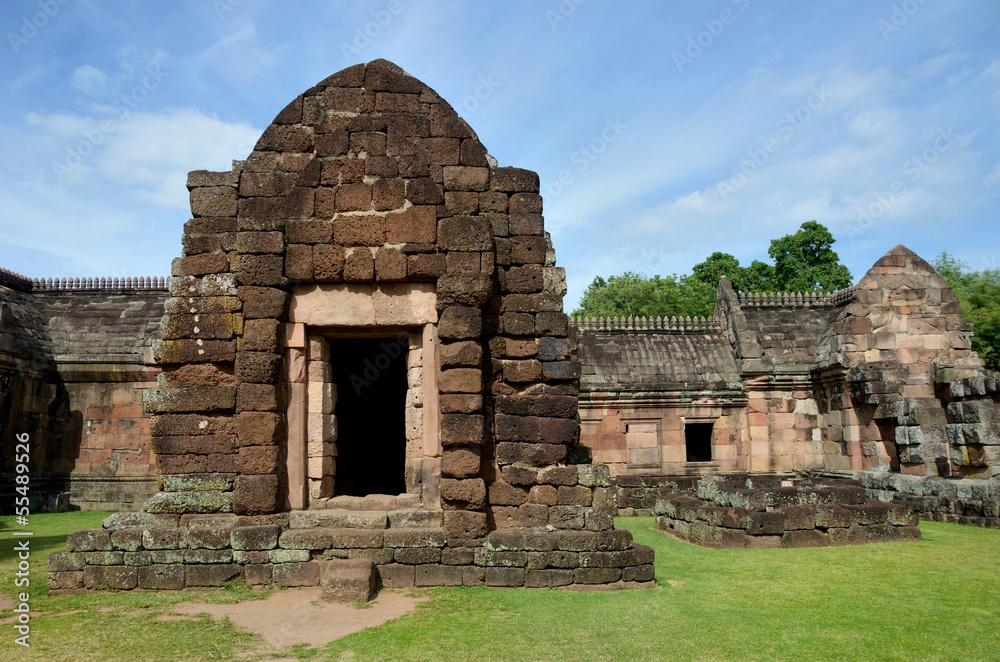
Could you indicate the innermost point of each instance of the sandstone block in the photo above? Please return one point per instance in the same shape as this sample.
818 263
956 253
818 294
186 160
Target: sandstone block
465 233
65 581
514 180
460 462
120 577
89 541
256 495
348 580
215 574
466 178
263 302
297 574
213 201
526 203
470 493
396 575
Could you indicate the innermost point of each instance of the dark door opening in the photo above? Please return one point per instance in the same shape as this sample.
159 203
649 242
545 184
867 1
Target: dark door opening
887 433
370 374
698 441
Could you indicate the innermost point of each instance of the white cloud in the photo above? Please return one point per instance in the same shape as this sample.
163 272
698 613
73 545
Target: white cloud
127 190
146 155
89 80
860 149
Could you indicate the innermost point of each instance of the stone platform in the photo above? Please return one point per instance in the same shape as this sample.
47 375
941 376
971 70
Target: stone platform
756 511
960 500
408 546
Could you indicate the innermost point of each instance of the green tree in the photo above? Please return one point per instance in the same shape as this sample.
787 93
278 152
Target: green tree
804 261
717 265
979 294
638 296
758 277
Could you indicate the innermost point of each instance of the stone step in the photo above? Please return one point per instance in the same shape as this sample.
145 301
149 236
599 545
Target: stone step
415 519
338 519
374 502
320 537
331 538
348 580
409 518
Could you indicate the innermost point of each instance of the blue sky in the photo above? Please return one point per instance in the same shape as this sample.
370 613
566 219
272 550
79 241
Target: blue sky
662 131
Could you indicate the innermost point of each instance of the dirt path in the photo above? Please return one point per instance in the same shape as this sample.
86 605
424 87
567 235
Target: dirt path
297 615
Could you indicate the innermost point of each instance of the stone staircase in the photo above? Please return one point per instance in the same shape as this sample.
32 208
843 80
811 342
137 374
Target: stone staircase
354 535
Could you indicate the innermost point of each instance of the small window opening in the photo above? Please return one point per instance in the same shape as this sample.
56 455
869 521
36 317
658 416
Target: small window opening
698 441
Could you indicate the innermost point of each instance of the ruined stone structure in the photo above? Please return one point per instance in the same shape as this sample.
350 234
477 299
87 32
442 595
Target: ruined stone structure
75 358
764 511
364 355
877 376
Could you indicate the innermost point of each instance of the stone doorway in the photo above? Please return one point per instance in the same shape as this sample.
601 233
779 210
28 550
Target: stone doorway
369 375
365 423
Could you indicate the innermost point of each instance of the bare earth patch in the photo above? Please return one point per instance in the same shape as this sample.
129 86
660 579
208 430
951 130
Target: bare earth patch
298 615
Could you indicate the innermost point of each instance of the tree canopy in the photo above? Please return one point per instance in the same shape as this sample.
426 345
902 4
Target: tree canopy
633 295
803 262
979 293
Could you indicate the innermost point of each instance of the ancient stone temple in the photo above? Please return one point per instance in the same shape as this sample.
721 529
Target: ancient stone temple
361 366
877 376
364 356
876 383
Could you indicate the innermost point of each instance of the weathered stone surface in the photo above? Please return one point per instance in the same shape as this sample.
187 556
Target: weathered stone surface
215 574
195 483
514 180
327 538
338 519
396 575
505 576
256 495
120 577
350 580
190 502
65 581
297 574
465 525
203 398
438 575
415 537
89 541
246 538
66 561
469 492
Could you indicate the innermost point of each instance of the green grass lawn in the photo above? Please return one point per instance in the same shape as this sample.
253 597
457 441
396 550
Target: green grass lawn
936 599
